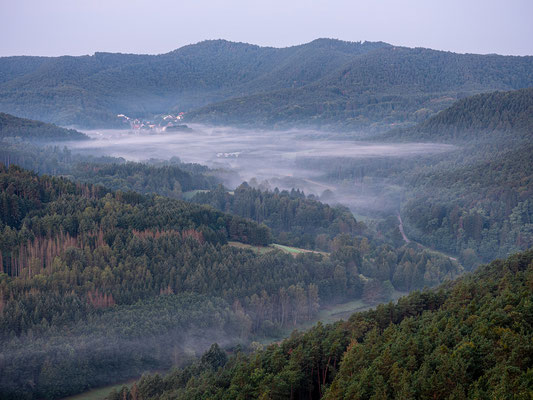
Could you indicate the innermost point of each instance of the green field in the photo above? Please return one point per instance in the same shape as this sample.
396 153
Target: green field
296 250
256 249
329 314
265 249
190 194
332 313
99 393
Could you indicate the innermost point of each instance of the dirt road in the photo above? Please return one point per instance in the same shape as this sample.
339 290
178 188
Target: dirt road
405 238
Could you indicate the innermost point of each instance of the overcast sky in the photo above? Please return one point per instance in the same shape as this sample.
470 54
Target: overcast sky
75 27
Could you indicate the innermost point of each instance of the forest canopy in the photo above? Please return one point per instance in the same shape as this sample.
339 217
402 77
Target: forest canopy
469 339
14 127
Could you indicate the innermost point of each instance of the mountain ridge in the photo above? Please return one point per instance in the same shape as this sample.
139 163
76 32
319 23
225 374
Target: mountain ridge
27 129
324 82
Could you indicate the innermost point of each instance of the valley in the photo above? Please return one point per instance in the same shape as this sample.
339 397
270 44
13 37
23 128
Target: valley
322 221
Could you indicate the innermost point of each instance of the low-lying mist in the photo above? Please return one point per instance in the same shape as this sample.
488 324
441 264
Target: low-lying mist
300 159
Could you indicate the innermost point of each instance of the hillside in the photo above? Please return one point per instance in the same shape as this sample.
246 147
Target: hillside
484 116
166 178
322 82
469 339
391 85
98 286
11 126
91 90
295 220
476 204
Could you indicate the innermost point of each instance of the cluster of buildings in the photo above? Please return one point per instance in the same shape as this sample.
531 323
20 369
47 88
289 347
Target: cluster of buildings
159 123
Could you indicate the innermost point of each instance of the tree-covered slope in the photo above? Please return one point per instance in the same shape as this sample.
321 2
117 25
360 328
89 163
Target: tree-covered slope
295 220
467 340
325 81
479 210
477 203
90 90
390 84
484 116
167 178
97 286
11 126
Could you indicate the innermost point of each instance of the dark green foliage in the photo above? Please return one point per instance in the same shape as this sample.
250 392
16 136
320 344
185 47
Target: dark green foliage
485 116
99 286
26 129
485 207
389 85
165 180
323 82
24 193
470 339
477 204
168 179
214 358
295 220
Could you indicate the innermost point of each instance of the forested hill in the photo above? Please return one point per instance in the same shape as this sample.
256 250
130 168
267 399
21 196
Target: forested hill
470 339
11 126
166 178
98 286
478 204
390 85
295 220
91 90
482 116
322 82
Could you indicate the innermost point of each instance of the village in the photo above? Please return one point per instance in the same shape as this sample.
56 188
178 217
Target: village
160 123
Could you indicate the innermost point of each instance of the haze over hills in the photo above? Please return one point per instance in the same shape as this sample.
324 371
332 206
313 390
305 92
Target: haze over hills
484 116
11 126
129 283
469 339
324 82
148 243
99 286
478 201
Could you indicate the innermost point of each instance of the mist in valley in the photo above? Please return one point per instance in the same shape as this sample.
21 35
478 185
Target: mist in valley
367 177
312 161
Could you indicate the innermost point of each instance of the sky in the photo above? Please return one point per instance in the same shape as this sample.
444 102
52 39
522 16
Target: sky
76 27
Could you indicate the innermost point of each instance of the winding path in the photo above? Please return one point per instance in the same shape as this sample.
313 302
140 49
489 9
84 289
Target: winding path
406 240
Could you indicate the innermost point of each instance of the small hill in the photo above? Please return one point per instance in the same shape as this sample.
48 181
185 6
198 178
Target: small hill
477 117
11 126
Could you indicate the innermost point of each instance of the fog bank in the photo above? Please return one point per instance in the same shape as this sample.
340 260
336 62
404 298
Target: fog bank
286 159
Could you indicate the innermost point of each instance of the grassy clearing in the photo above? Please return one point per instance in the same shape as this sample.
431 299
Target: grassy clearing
332 313
296 250
265 249
337 312
99 393
256 249
329 314
287 249
190 194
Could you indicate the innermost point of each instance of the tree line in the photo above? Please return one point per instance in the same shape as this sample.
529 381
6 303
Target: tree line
294 218
470 339
85 267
